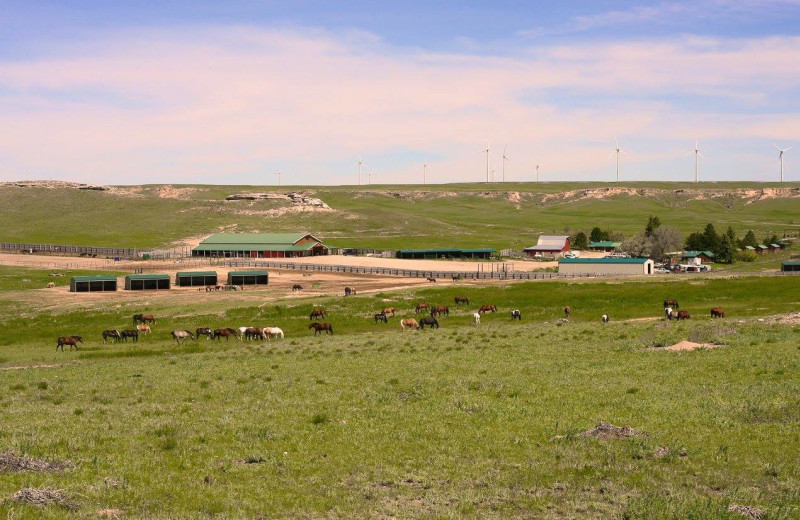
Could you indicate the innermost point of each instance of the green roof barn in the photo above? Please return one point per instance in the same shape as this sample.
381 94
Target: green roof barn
260 245
97 283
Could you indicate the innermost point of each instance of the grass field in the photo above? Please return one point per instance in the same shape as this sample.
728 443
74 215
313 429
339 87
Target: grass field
463 421
389 217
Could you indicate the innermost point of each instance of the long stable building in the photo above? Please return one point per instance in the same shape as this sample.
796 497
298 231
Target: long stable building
257 277
445 253
100 283
147 282
260 245
195 278
605 266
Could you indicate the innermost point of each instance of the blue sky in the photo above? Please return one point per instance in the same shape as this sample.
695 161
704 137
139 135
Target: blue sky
201 92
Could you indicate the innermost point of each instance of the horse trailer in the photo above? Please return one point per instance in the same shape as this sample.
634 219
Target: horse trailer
100 283
147 282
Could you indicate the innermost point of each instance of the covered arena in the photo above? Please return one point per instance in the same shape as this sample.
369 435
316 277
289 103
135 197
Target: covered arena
260 245
99 283
147 282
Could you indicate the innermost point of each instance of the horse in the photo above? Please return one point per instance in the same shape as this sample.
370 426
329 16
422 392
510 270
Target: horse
113 334
604 318
179 335
516 315
671 303
432 280
204 331
717 312
254 333
51 285
143 328
421 306
318 314
297 287
567 312
348 291
462 299
321 327
409 323
456 277
682 315
476 317
487 308
431 322
133 334
388 310
381 317
226 333
273 332
439 310
72 341
668 312
144 318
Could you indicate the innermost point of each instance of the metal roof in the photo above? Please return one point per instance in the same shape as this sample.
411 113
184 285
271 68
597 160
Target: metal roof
762 247
147 277
254 247
94 278
692 254
605 243
184 274
791 262
776 245
603 260
248 273
257 238
750 248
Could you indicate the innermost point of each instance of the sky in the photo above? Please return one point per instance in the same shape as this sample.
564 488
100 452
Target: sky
208 92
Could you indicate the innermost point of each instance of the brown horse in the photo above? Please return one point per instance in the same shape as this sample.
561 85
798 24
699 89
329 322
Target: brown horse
297 287
487 308
113 334
421 306
204 331
462 299
318 314
255 333
319 328
226 333
349 290
567 312
72 341
439 310
144 318
409 323
432 280
671 303
388 310
682 315
717 312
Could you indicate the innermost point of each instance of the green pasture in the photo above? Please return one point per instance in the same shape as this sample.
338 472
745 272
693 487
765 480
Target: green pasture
383 217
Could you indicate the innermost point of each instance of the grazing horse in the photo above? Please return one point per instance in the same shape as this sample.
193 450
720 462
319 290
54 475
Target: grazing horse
487 308
668 312
204 331
254 333
226 333
516 315
321 327
682 315
439 310
432 280
144 318
179 335
133 334
476 317
671 303
567 312
381 316
409 323
388 310
72 341
717 312
604 318
318 314
273 332
421 306
113 334
348 291
462 299
297 287
456 277
143 328
431 322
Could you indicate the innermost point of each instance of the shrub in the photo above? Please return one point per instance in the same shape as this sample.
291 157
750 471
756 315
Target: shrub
745 256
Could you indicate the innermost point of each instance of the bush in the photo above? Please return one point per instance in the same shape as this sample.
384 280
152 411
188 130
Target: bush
745 256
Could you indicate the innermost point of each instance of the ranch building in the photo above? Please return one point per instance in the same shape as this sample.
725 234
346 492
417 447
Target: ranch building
93 283
605 266
147 282
248 278
549 245
195 278
605 246
791 266
445 253
260 245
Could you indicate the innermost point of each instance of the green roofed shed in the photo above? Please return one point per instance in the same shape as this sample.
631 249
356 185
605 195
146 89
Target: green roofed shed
98 283
257 277
446 253
147 282
260 245
791 266
605 245
194 278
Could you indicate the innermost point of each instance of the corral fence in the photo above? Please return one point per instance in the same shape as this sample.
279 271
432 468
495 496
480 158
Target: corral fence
63 249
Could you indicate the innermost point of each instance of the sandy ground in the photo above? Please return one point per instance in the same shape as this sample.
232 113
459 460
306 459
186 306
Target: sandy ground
689 345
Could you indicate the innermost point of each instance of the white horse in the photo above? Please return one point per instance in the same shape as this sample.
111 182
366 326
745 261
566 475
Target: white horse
604 318
242 330
668 312
273 332
476 316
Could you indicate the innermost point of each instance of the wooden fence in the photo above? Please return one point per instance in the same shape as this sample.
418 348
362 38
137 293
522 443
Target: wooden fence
63 249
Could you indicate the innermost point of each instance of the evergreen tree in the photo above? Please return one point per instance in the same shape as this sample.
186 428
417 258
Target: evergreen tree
748 240
727 250
653 223
598 235
711 240
579 241
731 234
695 242
771 240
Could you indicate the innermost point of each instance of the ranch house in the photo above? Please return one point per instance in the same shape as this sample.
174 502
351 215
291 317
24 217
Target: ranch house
605 266
260 245
549 245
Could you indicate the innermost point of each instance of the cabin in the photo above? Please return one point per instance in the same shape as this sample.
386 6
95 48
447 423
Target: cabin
260 245
99 283
693 257
256 277
147 282
605 266
195 278
549 245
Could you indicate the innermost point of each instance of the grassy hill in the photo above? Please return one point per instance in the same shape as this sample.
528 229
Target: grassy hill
507 215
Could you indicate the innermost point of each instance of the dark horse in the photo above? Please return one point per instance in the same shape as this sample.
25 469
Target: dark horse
297 287
516 315
567 312
431 322
717 312
432 280
133 334
671 303
348 291
318 314
439 310
204 331
72 341
487 308
226 333
320 327
113 334
462 299
381 316
143 318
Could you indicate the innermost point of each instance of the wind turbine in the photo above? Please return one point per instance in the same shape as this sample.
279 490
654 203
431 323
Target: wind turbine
425 171
360 163
279 174
617 150
697 155
488 151
369 177
537 172
505 158
780 156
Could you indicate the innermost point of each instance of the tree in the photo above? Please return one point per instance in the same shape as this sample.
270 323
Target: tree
748 240
695 242
598 235
771 240
711 240
653 223
579 241
664 240
637 246
727 250
731 234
